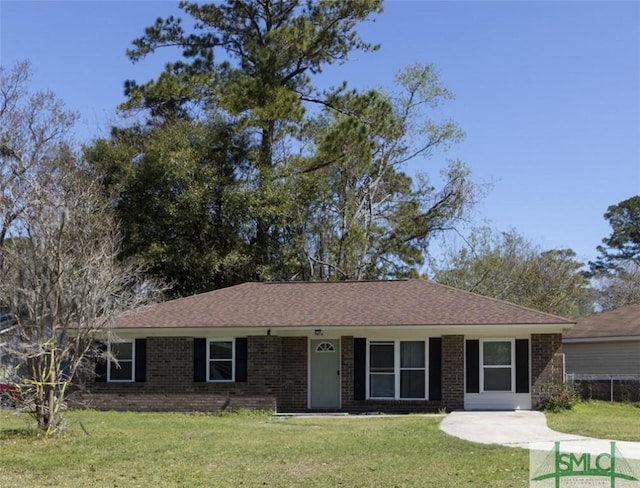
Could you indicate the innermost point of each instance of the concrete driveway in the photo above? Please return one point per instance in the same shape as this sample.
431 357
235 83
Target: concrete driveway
526 429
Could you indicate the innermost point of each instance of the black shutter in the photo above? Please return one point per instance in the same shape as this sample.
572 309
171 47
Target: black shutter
472 357
101 363
435 368
141 360
359 368
241 359
522 365
200 360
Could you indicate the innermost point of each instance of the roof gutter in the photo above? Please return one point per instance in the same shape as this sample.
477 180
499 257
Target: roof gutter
474 330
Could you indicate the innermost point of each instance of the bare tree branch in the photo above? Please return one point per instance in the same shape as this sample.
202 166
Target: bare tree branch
61 279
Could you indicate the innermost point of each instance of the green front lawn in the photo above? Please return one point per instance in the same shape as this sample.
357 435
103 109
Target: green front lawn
604 420
135 449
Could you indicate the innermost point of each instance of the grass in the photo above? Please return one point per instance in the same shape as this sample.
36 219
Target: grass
251 450
603 420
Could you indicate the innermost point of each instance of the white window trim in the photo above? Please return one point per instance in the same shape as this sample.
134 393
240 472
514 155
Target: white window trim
111 363
512 365
332 348
397 369
233 359
395 373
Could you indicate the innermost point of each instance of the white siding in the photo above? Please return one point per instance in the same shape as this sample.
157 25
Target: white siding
603 358
497 401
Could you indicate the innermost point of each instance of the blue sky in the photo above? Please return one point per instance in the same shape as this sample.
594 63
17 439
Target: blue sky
548 93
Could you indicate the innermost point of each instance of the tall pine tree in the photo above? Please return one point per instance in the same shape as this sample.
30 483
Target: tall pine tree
312 184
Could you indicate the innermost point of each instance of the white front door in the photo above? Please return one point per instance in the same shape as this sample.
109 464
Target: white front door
324 374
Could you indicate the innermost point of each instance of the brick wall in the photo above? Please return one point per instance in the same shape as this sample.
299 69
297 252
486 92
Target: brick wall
169 364
346 372
547 363
145 401
170 386
393 406
293 393
453 371
277 373
263 366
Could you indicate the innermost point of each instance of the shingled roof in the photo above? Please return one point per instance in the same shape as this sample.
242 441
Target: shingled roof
326 304
621 322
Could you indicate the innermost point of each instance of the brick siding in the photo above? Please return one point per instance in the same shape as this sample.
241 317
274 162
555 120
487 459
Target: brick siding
277 372
170 385
453 372
346 372
144 401
293 391
263 366
547 363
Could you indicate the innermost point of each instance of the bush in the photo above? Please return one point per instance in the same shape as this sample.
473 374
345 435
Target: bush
555 397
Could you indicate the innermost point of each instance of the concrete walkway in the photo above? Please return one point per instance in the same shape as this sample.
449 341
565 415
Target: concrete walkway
526 429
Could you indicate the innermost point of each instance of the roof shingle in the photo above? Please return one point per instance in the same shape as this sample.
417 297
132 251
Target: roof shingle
325 304
621 322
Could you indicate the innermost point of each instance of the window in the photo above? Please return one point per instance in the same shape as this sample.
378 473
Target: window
325 347
382 370
220 358
121 365
397 369
497 365
412 369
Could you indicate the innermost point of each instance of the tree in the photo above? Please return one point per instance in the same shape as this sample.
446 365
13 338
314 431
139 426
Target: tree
616 271
271 49
320 182
369 220
180 200
60 278
31 128
615 290
509 267
623 245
